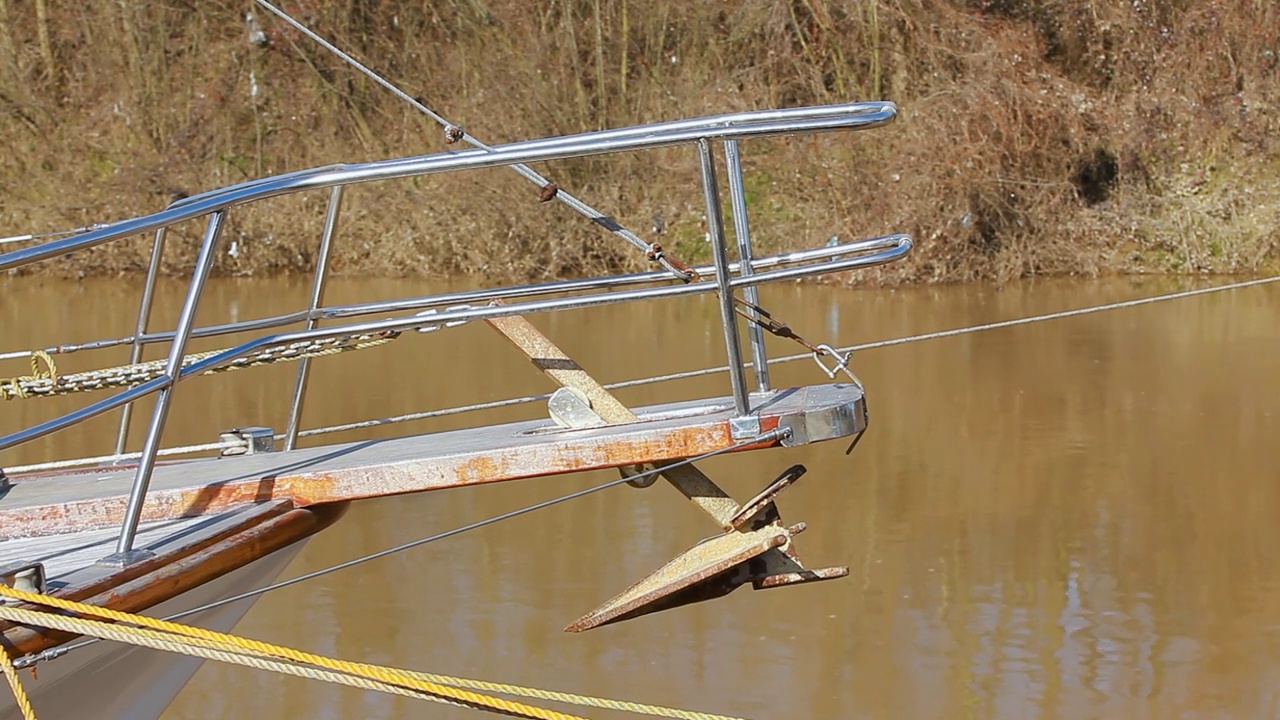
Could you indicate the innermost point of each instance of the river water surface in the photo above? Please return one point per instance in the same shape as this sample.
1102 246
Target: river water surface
1073 519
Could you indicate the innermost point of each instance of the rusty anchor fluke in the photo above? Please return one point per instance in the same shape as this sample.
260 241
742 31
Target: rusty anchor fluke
758 550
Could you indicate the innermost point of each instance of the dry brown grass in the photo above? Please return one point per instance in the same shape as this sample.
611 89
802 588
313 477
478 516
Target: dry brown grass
1036 137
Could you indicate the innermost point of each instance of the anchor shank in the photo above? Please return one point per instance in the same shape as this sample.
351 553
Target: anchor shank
550 359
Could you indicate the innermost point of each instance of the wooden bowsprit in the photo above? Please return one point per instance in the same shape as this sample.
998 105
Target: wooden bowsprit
754 547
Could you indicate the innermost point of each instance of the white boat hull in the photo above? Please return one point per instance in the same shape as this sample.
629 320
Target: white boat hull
110 681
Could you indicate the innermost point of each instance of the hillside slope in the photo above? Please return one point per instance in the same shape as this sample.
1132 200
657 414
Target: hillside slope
1036 136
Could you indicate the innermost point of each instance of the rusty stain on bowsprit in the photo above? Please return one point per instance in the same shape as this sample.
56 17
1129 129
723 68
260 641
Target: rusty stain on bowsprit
309 476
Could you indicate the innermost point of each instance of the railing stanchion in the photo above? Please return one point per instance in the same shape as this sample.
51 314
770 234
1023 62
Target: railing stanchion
742 231
124 553
317 297
725 290
144 317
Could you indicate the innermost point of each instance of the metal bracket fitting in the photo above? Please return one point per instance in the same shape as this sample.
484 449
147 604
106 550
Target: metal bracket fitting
745 427
250 440
125 559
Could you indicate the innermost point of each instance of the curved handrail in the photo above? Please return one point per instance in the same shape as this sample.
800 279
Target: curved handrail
374 307
888 249
754 124
729 128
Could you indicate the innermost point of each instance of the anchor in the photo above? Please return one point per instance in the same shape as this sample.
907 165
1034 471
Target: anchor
754 547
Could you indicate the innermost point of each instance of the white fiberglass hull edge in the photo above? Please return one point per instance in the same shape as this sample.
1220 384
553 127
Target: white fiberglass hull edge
110 681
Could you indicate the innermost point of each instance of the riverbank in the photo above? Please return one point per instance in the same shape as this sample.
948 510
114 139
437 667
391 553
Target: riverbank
1034 139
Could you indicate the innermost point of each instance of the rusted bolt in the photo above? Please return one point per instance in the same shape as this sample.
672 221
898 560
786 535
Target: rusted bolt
549 191
452 134
694 275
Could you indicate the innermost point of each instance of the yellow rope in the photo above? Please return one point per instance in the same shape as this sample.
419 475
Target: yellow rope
209 650
186 639
209 644
15 684
17 383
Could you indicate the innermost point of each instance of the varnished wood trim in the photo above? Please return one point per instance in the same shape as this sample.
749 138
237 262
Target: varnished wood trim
96 582
174 573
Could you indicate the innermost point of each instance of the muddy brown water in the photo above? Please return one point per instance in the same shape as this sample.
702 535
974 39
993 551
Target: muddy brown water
1074 519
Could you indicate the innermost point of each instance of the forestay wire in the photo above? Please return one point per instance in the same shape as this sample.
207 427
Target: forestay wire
454 133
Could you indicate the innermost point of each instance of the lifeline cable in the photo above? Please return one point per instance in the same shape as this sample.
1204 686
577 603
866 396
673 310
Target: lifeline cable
494 404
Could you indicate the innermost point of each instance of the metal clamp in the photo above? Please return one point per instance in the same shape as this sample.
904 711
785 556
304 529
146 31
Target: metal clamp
436 311
248 441
744 427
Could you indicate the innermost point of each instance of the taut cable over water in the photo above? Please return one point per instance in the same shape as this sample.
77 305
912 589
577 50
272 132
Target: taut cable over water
844 351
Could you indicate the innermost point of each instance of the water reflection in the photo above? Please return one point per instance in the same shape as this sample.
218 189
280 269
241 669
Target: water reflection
1074 519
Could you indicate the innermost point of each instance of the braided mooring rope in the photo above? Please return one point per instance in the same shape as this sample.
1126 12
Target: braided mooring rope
48 382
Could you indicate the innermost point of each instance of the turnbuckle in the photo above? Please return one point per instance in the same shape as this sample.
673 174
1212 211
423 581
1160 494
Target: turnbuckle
675 265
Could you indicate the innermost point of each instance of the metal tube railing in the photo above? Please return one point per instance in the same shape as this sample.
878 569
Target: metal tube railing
124 553
802 120
728 316
214 205
317 296
894 248
742 232
144 317
481 295
620 138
